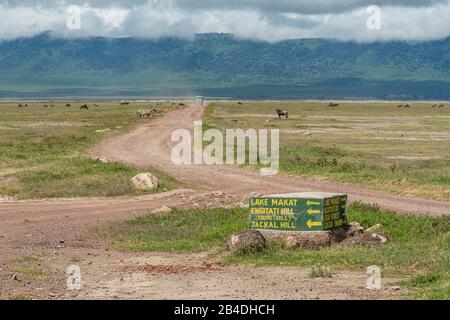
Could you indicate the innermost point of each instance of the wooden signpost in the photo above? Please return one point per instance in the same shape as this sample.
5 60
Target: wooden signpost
308 211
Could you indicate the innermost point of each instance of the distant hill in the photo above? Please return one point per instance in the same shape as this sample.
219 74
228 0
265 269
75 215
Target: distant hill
220 65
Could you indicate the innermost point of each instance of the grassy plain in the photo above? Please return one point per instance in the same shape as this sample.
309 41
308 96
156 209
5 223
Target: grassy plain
44 152
376 145
418 251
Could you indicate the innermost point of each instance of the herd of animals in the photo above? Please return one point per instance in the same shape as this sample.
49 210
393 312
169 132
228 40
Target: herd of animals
140 113
285 114
152 109
68 105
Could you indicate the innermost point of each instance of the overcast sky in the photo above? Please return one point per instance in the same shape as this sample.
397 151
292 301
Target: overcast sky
267 20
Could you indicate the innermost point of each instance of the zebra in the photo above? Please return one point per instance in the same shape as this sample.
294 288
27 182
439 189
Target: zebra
146 113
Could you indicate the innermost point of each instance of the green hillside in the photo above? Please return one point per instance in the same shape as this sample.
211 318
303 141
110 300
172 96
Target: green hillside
220 65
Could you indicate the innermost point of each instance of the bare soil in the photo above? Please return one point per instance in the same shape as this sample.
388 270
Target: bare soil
55 233
150 145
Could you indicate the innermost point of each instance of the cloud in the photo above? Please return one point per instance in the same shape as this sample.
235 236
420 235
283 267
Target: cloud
248 19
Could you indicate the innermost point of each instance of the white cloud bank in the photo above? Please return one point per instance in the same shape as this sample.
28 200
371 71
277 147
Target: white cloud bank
248 19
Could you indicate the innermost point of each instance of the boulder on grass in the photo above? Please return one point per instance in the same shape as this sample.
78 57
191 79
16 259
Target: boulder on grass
308 241
351 230
250 241
145 181
164 209
367 238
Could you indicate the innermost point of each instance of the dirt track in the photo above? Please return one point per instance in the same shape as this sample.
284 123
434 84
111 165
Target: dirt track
55 231
150 145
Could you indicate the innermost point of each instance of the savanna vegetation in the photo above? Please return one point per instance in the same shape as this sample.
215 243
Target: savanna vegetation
375 145
418 251
45 152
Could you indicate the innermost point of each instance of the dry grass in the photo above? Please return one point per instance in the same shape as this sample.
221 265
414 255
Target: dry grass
378 145
44 152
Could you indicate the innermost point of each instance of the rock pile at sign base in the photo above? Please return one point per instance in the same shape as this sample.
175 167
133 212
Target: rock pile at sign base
145 181
250 241
352 234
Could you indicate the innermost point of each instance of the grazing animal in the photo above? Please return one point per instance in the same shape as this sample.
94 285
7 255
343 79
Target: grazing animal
146 113
181 105
21 106
282 113
68 105
400 106
95 105
45 105
240 103
333 105
434 105
124 103
84 107
407 106
441 106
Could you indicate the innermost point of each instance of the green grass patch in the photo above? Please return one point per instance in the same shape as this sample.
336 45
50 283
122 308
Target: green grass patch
419 246
45 152
25 268
375 145
179 231
320 272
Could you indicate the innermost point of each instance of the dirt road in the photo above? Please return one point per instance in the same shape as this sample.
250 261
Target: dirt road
54 233
150 145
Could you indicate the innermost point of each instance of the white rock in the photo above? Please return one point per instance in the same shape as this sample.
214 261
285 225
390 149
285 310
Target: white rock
375 228
164 209
104 160
380 238
6 198
145 181
104 130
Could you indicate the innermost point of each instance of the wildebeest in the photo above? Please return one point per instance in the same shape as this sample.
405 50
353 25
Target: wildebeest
332 104
20 106
68 105
124 103
84 107
407 106
400 106
146 113
45 105
434 105
441 106
282 113
181 105
240 103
